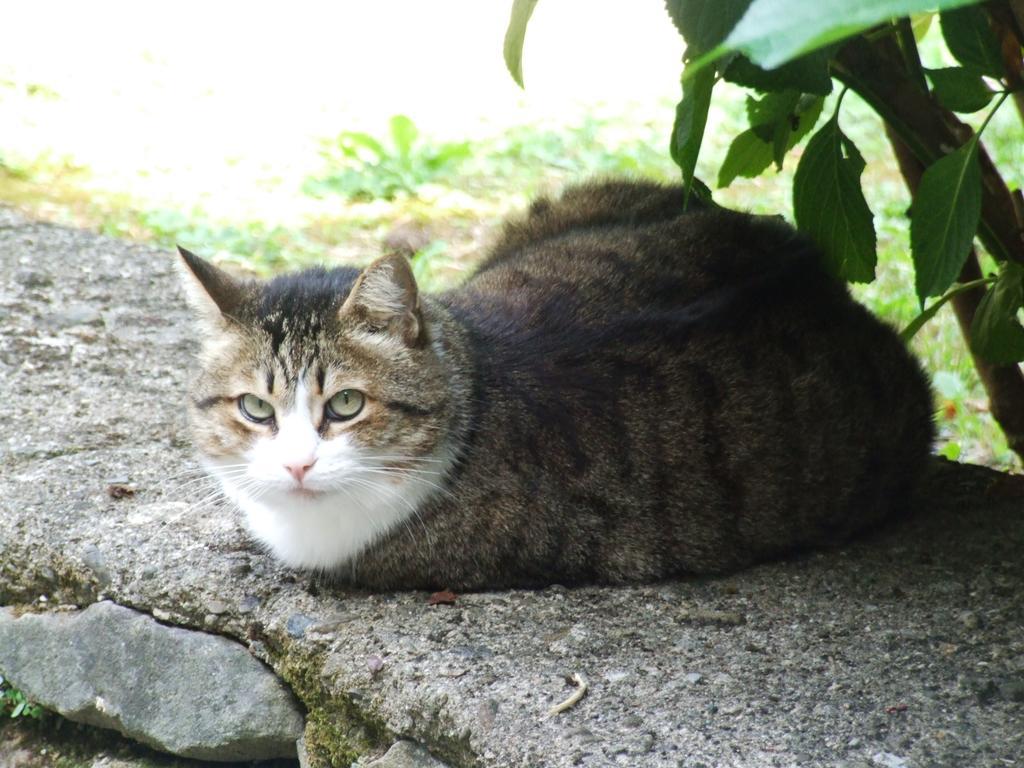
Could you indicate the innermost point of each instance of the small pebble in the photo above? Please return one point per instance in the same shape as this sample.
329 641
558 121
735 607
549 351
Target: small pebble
374 663
694 677
970 619
217 607
249 604
487 713
298 624
31 278
644 744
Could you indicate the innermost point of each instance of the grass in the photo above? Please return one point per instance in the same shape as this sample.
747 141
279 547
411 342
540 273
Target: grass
14 704
451 194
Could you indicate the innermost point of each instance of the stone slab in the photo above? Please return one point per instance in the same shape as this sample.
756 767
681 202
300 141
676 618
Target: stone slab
179 691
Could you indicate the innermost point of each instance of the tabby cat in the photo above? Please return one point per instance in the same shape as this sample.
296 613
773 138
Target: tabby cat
621 392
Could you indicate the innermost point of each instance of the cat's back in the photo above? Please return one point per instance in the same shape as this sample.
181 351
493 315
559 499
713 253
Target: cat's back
603 249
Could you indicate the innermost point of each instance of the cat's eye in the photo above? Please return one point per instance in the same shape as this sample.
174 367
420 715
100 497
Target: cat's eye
345 405
255 408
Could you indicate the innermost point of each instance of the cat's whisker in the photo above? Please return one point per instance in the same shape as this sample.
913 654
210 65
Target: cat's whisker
201 470
425 459
389 468
190 485
414 478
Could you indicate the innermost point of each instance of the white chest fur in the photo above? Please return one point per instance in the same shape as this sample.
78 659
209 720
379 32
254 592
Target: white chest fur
325 531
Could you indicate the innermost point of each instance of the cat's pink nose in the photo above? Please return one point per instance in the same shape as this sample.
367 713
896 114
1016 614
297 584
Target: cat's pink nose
299 469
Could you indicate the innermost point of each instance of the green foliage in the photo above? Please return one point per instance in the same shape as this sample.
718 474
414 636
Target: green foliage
362 168
688 130
13 703
252 244
944 219
960 89
808 74
515 35
969 38
772 32
778 122
829 205
996 333
706 24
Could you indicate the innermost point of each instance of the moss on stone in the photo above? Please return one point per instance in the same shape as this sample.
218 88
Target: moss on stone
338 731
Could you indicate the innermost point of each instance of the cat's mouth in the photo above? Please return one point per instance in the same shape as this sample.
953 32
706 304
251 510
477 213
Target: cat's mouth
305 493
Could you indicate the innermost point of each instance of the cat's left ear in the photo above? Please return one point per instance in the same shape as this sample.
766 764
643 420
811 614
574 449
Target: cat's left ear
212 292
385 297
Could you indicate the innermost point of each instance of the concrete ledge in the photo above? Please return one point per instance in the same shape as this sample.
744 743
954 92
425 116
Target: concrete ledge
906 648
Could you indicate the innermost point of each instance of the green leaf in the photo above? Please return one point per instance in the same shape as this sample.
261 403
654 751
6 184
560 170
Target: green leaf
808 110
771 109
996 333
830 207
808 74
403 134
705 23
944 218
773 32
778 122
515 36
970 39
960 89
348 141
691 118
748 156
920 23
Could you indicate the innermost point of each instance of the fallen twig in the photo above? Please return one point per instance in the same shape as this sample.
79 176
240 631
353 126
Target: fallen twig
573 700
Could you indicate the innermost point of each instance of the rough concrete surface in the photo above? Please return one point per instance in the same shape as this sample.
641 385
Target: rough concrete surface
179 691
406 754
903 649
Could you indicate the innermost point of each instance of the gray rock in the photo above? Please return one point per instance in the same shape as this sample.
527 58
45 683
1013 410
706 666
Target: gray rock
407 754
178 691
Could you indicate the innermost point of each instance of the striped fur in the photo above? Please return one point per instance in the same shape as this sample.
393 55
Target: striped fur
622 392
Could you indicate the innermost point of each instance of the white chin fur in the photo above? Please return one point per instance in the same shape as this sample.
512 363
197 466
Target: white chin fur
326 530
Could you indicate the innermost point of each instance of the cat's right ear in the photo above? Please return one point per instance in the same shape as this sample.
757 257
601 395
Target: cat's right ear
212 292
385 298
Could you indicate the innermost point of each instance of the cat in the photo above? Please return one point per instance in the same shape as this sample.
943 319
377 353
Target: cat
621 392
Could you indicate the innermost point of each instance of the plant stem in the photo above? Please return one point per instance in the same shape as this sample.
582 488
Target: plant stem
911 57
929 312
991 113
